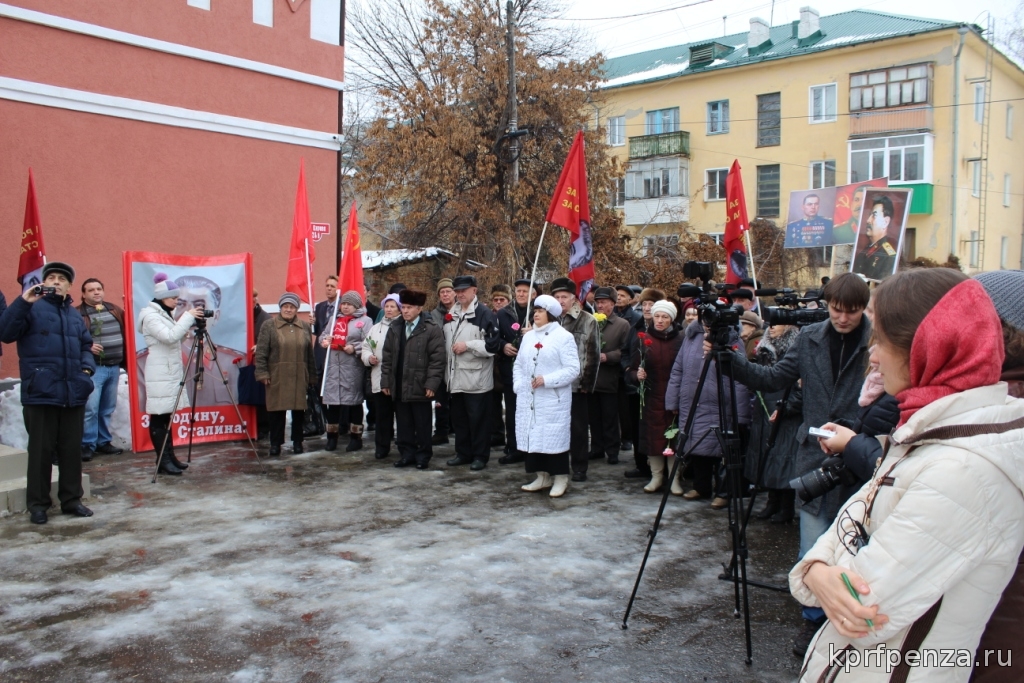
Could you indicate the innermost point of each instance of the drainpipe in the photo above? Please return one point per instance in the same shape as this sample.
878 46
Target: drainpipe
956 140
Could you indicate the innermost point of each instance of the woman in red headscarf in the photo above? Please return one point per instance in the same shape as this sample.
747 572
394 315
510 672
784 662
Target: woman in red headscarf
931 541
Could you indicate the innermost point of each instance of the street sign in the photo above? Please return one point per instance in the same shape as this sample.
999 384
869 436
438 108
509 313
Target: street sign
320 230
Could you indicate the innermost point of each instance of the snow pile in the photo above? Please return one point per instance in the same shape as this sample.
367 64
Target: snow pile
660 71
12 423
121 420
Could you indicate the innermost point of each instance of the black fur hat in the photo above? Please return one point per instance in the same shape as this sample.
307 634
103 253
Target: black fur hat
412 298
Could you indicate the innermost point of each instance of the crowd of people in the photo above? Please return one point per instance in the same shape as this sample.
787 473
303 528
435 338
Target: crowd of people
911 497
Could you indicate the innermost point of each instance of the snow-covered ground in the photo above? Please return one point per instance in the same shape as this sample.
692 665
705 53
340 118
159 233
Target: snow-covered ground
339 567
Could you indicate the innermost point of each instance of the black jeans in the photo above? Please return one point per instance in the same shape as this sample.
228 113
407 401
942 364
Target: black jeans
442 413
159 429
579 429
510 421
384 406
603 414
413 430
277 420
627 418
704 469
53 430
471 417
497 421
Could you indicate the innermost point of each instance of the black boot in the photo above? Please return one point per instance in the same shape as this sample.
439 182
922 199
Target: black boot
332 438
355 439
787 503
772 506
168 467
173 459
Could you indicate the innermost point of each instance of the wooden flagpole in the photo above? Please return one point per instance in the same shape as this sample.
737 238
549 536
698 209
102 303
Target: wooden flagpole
533 273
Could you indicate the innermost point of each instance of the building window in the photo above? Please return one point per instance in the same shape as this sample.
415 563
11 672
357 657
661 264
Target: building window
768 190
714 184
976 179
657 243
718 117
823 174
616 131
890 88
1004 251
1009 121
823 103
663 121
655 178
979 102
973 257
718 237
769 120
1006 189
901 159
619 192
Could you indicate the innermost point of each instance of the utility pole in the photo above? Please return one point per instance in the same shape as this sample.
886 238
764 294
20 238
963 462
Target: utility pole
513 107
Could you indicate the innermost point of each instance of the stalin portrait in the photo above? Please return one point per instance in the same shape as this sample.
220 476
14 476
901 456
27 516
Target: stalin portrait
878 259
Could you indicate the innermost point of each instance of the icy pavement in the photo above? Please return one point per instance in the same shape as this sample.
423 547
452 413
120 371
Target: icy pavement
339 567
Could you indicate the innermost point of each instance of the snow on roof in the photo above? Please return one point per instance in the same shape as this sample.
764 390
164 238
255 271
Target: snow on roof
657 72
392 258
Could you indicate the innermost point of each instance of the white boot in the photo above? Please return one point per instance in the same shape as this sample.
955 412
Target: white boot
677 484
657 463
559 486
543 481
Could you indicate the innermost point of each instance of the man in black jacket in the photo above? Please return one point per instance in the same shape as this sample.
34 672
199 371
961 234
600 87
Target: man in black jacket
412 371
512 323
603 403
830 359
56 363
323 314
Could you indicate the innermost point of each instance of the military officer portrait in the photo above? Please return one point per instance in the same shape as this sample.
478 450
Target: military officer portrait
878 258
811 229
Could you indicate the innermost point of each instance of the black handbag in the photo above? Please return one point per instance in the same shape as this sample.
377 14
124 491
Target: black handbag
313 419
250 392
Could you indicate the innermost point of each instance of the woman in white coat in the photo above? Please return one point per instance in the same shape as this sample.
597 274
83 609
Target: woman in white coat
931 541
372 355
542 376
164 367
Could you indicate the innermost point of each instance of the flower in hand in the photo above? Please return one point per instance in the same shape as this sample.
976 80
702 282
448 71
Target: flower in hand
668 452
538 345
515 327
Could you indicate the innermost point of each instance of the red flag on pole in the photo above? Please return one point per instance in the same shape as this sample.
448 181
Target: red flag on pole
351 275
736 226
33 253
570 210
300 252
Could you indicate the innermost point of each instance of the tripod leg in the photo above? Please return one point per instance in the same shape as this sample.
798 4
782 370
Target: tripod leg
177 400
238 412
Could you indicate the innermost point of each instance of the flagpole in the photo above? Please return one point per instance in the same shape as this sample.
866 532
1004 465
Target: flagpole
750 256
327 358
309 284
533 273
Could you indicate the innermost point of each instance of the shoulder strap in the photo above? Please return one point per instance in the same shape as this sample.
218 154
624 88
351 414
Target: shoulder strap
962 431
915 638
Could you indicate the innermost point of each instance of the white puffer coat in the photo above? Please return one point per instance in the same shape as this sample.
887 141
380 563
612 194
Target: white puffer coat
164 367
947 522
374 348
543 414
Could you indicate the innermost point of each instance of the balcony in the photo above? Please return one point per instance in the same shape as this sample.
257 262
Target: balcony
886 121
661 144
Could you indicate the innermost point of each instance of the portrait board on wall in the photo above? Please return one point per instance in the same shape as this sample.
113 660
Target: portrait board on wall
846 214
809 222
222 285
881 231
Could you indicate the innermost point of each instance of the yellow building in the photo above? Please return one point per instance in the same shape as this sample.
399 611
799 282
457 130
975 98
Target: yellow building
826 101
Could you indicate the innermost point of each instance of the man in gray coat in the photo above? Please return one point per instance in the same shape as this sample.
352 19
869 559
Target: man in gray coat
603 403
830 359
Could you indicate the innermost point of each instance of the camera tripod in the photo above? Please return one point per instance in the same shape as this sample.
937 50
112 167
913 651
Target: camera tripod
728 436
196 355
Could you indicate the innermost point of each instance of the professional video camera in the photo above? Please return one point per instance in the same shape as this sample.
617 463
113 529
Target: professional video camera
713 313
831 474
777 315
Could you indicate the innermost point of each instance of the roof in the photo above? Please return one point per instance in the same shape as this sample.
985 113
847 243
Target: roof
393 258
838 30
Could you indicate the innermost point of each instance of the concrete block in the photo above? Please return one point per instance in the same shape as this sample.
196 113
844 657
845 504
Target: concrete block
12 492
13 463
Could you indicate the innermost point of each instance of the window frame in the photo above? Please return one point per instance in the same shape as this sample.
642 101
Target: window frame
768 116
885 78
763 198
979 104
719 184
1004 252
885 150
723 117
673 122
975 178
1009 121
823 163
663 165
974 250
1007 185
618 191
616 124
812 117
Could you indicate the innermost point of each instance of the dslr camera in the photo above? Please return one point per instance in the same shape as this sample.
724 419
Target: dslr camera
43 290
831 474
201 320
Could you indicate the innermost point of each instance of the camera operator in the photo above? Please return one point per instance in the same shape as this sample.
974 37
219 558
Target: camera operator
55 356
829 359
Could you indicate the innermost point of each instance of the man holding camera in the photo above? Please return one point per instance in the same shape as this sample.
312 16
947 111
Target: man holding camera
829 359
55 356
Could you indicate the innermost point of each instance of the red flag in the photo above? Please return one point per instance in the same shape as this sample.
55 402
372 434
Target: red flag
570 210
33 253
736 226
351 275
300 252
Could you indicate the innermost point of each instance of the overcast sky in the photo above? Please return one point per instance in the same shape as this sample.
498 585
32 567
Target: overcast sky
620 36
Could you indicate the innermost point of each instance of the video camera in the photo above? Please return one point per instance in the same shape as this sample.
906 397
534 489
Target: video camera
43 290
801 317
712 312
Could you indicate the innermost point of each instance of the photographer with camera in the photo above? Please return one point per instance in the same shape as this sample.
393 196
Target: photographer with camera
165 370
829 359
56 362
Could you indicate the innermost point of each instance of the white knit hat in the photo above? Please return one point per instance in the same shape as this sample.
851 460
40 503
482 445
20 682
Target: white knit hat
664 306
164 288
549 304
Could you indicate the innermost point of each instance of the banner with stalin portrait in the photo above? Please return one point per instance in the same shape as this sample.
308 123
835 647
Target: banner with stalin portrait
222 286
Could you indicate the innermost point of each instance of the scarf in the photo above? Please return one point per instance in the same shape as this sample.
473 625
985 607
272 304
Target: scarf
958 346
770 350
340 332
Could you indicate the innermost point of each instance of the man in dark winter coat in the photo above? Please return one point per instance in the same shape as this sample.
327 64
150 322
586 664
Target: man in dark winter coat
412 372
323 313
56 362
624 308
603 404
830 359
584 330
512 321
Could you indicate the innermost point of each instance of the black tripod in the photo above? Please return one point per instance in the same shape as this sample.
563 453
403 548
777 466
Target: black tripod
196 355
728 436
